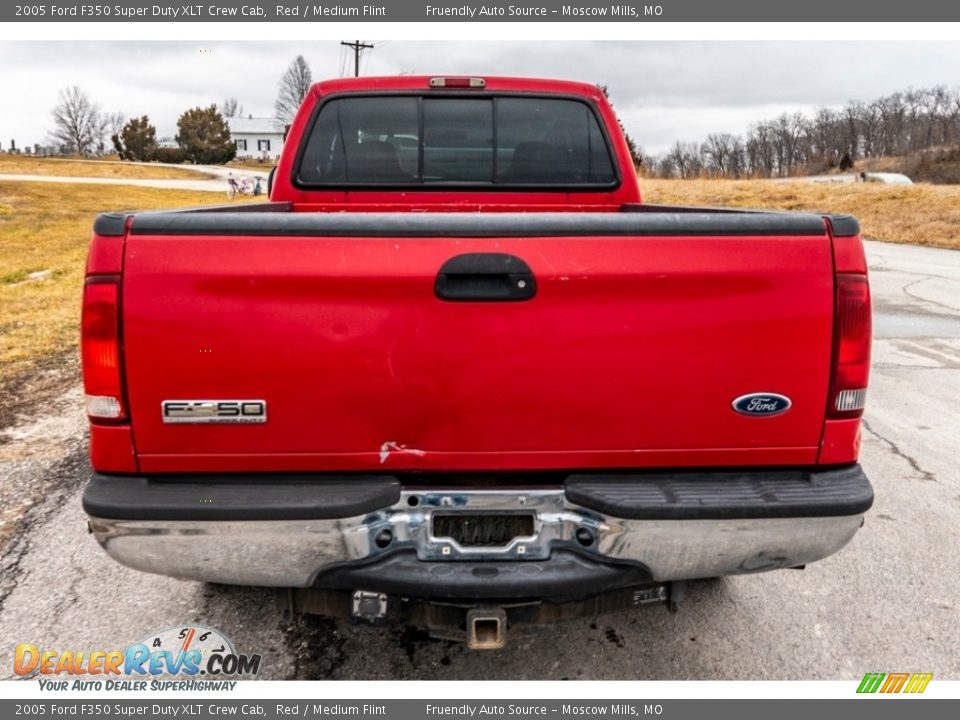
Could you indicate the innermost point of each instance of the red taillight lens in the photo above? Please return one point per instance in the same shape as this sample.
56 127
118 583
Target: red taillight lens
851 347
473 83
100 350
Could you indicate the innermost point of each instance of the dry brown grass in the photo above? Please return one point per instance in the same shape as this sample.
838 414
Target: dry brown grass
22 165
916 214
44 231
252 164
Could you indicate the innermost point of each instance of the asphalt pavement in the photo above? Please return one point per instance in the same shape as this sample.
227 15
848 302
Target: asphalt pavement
887 602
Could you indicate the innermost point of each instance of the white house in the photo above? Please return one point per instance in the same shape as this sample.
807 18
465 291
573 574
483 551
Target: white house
259 138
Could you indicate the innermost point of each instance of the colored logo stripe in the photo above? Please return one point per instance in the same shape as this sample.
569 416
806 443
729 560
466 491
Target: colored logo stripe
894 682
918 682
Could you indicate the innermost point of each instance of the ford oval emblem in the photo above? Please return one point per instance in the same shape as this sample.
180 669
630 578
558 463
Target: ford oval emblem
762 404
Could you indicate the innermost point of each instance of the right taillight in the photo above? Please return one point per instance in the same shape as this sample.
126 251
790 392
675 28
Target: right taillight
851 347
100 350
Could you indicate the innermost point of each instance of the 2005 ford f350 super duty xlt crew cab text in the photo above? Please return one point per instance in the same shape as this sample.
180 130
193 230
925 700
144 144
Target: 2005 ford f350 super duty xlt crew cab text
456 373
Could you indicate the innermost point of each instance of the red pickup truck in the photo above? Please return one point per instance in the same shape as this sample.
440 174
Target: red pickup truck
457 373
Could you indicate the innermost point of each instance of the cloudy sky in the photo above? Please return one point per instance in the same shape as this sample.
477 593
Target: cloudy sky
664 91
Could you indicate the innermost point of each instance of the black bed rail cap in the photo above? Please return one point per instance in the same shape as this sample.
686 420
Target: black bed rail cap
533 224
843 225
111 224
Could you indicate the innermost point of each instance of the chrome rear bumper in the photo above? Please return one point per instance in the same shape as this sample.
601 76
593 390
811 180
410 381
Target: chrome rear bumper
295 553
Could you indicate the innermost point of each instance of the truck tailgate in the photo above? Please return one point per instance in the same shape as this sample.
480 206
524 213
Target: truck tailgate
641 333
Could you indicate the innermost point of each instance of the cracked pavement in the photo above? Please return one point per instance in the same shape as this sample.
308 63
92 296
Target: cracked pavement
889 601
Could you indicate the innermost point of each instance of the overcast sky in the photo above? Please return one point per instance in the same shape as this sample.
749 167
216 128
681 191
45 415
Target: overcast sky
663 91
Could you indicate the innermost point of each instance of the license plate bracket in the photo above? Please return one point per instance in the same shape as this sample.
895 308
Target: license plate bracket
482 529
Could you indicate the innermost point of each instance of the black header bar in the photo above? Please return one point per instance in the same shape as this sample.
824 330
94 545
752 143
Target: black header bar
451 11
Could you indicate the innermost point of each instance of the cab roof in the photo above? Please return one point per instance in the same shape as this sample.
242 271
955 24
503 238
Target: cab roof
491 83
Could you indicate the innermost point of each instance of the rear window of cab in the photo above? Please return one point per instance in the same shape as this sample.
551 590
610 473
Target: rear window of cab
454 141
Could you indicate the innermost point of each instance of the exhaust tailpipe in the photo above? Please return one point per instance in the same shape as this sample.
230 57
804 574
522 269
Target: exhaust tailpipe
486 628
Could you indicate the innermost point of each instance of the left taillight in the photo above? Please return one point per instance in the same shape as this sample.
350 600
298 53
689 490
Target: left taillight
100 350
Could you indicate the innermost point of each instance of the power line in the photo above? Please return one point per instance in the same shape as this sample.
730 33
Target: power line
357 47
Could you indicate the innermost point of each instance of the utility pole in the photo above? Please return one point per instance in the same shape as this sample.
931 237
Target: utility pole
357 47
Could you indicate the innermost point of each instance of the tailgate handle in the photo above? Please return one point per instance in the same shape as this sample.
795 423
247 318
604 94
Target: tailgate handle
485 277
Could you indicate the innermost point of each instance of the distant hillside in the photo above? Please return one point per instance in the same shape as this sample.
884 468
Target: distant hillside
939 165
920 125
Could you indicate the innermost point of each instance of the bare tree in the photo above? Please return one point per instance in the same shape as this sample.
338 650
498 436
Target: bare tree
115 122
823 147
664 166
939 110
737 160
78 124
231 107
953 115
685 157
717 152
760 151
111 124
677 158
294 85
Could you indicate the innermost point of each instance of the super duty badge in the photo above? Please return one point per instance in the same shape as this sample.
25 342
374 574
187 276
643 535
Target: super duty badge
214 411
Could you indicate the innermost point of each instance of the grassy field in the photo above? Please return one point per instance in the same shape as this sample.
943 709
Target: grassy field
252 164
917 214
22 165
44 231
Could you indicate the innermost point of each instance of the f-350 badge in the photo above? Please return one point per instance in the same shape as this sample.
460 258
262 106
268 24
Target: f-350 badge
214 411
